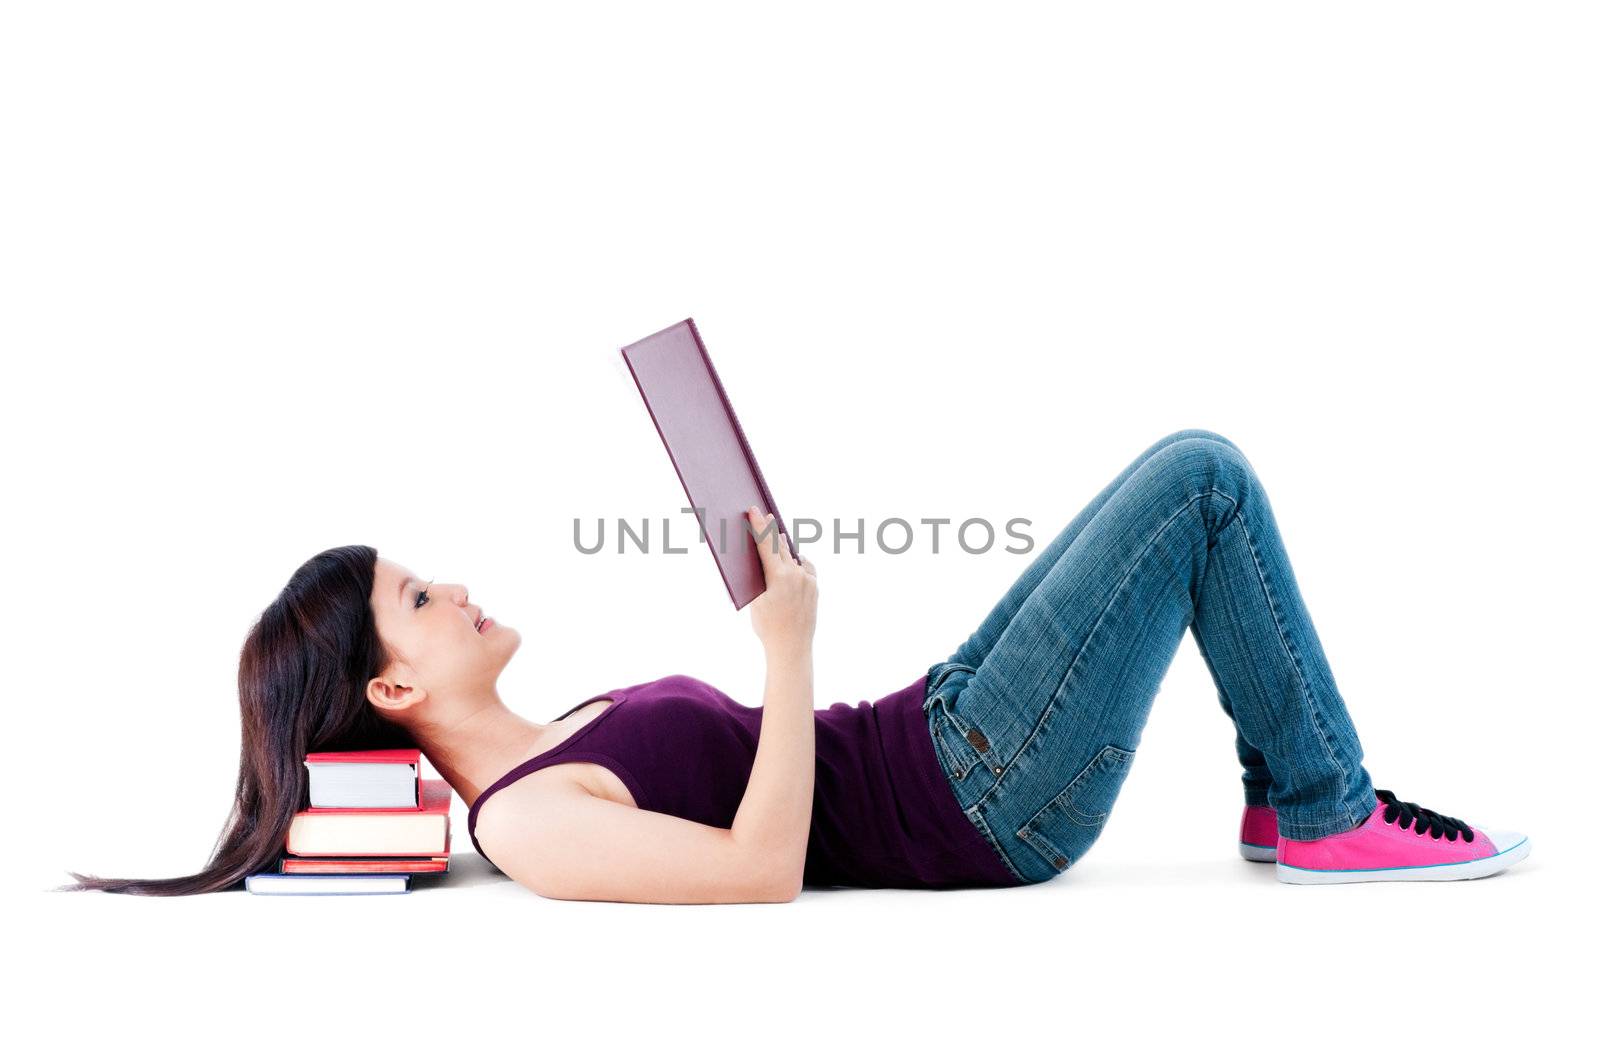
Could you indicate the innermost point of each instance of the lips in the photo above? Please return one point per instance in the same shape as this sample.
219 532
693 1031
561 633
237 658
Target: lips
484 624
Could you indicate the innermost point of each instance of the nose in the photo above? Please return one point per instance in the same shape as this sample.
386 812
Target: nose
459 594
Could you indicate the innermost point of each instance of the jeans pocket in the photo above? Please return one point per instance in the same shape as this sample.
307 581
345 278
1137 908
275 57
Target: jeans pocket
1064 829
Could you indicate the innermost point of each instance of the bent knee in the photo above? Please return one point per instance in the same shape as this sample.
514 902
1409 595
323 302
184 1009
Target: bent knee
1195 433
1202 459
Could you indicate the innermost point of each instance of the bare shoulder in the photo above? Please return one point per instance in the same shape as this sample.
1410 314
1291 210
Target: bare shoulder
516 812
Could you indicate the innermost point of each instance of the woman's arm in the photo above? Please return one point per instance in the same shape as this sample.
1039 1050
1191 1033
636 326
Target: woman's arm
774 817
561 841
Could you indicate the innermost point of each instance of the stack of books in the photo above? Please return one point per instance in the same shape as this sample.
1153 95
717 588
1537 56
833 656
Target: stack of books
372 823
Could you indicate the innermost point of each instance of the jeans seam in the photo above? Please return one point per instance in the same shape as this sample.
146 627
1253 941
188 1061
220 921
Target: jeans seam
960 766
1325 827
1041 845
1050 705
1294 660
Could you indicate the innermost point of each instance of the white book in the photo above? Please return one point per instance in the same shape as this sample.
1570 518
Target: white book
414 831
362 785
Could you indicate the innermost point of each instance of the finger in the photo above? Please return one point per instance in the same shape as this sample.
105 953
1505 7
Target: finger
789 550
780 541
778 544
763 537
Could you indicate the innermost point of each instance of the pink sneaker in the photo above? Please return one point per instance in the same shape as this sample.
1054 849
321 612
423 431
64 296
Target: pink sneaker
1258 834
1400 841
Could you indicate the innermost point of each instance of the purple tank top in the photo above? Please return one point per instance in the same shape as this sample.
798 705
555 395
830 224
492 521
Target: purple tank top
883 813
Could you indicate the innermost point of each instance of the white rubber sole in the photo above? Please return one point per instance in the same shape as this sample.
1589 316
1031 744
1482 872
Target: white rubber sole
1261 854
1465 869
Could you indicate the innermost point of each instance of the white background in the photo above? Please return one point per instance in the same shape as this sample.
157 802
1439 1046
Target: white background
283 277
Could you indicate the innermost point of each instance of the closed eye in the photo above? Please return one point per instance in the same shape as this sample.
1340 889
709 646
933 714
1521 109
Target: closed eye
422 596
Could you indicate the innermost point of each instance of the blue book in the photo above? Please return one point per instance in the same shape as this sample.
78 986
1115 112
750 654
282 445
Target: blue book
326 885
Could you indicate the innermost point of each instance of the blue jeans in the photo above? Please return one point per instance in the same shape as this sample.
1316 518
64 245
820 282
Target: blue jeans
1036 717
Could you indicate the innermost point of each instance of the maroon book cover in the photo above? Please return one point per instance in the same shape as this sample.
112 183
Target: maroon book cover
708 449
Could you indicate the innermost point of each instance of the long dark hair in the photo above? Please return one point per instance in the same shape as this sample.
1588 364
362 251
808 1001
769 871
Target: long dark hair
302 688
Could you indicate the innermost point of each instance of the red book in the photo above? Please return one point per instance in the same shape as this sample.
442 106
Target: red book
295 865
364 756
423 831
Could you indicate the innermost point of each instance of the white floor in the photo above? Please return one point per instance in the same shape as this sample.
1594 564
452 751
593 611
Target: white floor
1122 955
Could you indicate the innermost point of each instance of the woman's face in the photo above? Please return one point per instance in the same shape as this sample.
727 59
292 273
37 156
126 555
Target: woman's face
432 630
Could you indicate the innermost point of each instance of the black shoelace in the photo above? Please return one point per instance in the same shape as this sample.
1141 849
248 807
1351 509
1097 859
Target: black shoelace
1427 820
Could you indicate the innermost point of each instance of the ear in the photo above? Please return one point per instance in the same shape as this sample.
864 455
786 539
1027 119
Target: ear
388 693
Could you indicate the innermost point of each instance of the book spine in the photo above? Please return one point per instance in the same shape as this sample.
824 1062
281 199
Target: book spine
738 430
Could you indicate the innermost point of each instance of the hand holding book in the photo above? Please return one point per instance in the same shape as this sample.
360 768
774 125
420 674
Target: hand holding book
785 614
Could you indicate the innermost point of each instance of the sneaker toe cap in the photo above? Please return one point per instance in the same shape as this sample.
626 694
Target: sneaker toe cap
1506 839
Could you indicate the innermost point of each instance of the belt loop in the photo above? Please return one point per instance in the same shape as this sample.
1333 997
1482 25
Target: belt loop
945 669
